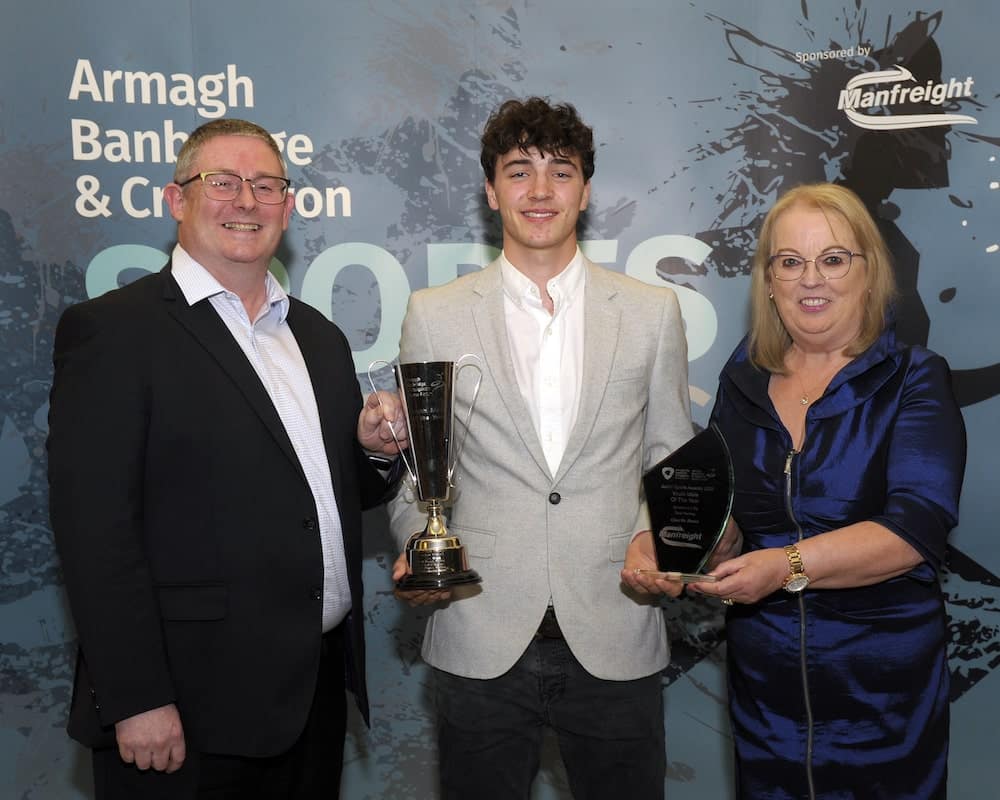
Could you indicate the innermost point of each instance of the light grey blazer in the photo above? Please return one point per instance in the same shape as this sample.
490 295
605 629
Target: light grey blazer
532 535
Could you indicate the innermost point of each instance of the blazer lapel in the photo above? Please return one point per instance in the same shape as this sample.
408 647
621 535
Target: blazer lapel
205 325
601 321
491 327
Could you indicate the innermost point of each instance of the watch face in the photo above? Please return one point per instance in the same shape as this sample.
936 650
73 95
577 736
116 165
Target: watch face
796 583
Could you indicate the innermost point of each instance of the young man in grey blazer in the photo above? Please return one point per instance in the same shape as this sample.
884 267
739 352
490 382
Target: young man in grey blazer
584 388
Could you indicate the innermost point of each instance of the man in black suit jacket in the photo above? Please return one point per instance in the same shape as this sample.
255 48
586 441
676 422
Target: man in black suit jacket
208 469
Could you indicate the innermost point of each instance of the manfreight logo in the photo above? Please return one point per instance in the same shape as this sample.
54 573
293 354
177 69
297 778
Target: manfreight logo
905 90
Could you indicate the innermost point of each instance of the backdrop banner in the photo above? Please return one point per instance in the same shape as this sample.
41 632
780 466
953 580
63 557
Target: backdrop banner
704 112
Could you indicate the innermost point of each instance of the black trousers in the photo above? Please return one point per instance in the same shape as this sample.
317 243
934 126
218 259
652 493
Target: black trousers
610 733
310 769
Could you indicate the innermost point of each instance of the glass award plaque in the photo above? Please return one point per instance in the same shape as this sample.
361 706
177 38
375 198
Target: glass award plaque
690 496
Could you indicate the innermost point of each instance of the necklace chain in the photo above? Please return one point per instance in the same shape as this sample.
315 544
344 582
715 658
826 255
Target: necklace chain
826 377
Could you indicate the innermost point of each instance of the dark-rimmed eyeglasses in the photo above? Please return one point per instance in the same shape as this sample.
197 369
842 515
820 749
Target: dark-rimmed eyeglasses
830 265
267 189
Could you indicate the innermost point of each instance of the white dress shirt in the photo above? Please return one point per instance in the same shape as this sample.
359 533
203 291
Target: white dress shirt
547 350
271 348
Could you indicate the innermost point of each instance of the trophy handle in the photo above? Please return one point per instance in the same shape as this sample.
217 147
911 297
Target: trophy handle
402 453
468 417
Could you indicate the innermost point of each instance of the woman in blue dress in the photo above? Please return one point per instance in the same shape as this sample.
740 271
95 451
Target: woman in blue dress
849 453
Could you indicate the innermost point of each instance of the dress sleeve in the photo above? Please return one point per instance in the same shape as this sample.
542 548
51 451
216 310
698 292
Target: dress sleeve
926 461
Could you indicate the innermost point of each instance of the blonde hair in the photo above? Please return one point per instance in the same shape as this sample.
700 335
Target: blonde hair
769 339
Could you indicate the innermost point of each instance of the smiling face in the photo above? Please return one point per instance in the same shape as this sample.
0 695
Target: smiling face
539 197
819 314
234 235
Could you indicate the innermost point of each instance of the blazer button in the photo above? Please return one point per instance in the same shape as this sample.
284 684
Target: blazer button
555 498
317 594
309 524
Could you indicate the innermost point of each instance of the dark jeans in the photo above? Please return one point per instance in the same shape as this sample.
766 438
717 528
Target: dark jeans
309 770
610 733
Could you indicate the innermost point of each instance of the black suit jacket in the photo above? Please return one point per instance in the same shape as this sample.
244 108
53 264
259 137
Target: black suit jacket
186 528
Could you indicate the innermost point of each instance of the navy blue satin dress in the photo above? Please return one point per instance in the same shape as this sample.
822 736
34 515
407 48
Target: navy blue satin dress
844 693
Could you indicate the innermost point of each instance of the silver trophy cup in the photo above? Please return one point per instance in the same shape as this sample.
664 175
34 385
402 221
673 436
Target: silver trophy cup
436 559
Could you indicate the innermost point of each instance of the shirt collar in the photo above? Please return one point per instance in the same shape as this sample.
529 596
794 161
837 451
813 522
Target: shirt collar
197 283
563 288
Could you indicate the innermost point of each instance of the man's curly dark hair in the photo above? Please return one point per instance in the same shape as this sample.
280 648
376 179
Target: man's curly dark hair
554 130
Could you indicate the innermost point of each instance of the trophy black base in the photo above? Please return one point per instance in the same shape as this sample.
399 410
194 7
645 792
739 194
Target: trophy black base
436 560
438 581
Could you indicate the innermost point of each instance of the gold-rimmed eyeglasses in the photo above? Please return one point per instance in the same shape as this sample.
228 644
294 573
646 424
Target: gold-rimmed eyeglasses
830 265
267 189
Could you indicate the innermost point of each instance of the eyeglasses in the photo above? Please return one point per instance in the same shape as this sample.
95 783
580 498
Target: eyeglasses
830 265
267 189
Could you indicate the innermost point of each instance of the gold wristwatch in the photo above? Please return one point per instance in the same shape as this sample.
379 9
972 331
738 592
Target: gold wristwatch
797 579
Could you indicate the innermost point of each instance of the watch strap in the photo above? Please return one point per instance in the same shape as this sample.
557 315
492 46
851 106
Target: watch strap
796 580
